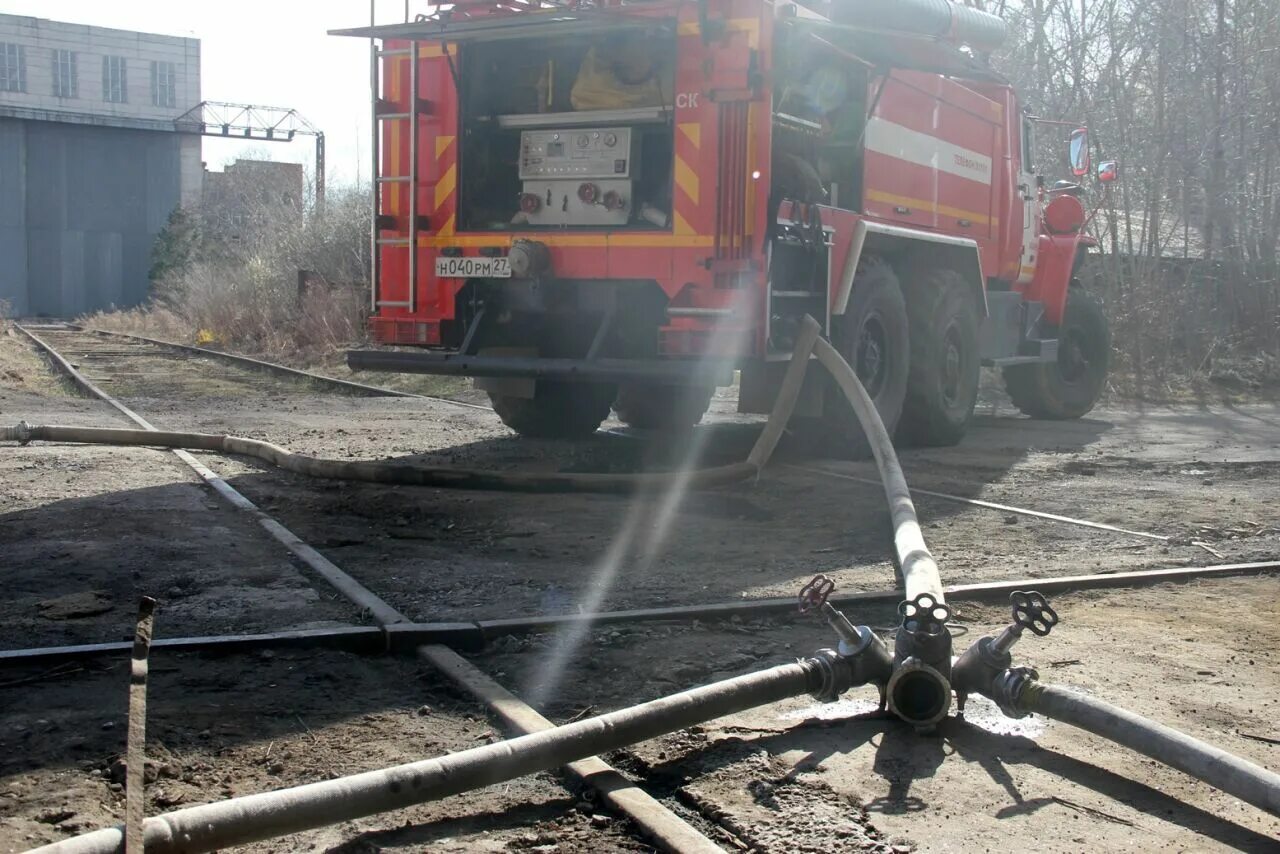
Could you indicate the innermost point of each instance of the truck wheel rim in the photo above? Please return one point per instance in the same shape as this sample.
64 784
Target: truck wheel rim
871 362
1073 358
951 362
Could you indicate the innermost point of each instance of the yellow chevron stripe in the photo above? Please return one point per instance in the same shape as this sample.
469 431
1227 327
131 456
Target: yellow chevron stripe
680 225
445 186
686 179
391 192
750 26
393 78
442 142
692 132
391 137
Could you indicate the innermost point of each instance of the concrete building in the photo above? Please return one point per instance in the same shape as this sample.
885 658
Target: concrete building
246 185
90 163
248 194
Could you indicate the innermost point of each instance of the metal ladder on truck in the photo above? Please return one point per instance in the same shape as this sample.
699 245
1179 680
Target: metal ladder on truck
385 111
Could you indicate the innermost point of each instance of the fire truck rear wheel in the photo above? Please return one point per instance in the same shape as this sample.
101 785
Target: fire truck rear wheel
872 335
661 407
557 410
1070 386
945 364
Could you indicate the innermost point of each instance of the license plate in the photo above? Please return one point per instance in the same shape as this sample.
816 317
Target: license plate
481 267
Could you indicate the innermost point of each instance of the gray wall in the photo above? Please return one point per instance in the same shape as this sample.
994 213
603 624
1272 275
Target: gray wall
13 216
80 207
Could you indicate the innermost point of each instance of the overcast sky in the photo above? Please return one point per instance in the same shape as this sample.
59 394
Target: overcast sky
270 52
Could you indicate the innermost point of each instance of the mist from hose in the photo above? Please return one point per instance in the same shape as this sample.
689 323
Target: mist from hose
648 522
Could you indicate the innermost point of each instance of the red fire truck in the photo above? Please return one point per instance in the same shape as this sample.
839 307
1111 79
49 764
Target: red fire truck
628 204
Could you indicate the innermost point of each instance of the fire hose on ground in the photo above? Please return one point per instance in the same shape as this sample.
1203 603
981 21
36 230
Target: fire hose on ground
915 681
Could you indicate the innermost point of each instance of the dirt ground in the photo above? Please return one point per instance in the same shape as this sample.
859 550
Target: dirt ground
84 531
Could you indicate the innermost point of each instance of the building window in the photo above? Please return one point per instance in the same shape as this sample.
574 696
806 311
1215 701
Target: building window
115 83
65 84
163 84
13 68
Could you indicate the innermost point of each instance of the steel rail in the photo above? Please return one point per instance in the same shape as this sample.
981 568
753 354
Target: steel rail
991 505
473 635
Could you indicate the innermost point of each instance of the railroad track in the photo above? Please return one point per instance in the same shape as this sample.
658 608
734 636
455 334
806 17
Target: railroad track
92 361
129 366
98 347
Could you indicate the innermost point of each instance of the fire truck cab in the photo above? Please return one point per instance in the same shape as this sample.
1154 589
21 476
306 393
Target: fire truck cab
628 204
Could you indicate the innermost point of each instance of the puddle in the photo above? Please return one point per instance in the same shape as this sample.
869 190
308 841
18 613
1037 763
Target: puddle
979 712
984 714
846 708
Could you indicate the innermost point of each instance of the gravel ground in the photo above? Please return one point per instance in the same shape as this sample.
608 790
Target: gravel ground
84 531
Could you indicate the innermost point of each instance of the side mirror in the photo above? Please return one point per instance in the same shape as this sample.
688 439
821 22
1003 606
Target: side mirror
1108 171
1079 152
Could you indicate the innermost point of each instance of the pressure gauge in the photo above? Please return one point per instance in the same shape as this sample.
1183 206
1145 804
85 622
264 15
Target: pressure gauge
611 139
583 140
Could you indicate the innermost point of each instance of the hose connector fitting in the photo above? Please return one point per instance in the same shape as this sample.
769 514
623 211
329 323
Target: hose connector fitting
833 674
919 694
1009 689
22 432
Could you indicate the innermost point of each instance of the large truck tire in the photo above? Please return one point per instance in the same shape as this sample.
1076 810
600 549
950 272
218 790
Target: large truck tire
662 407
872 335
557 410
1069 386
942 388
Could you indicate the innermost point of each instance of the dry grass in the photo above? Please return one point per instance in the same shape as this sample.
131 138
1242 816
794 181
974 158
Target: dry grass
324 329
230 281
23 370
220 310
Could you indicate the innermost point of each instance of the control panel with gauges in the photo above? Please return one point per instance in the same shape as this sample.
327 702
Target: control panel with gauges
578 176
